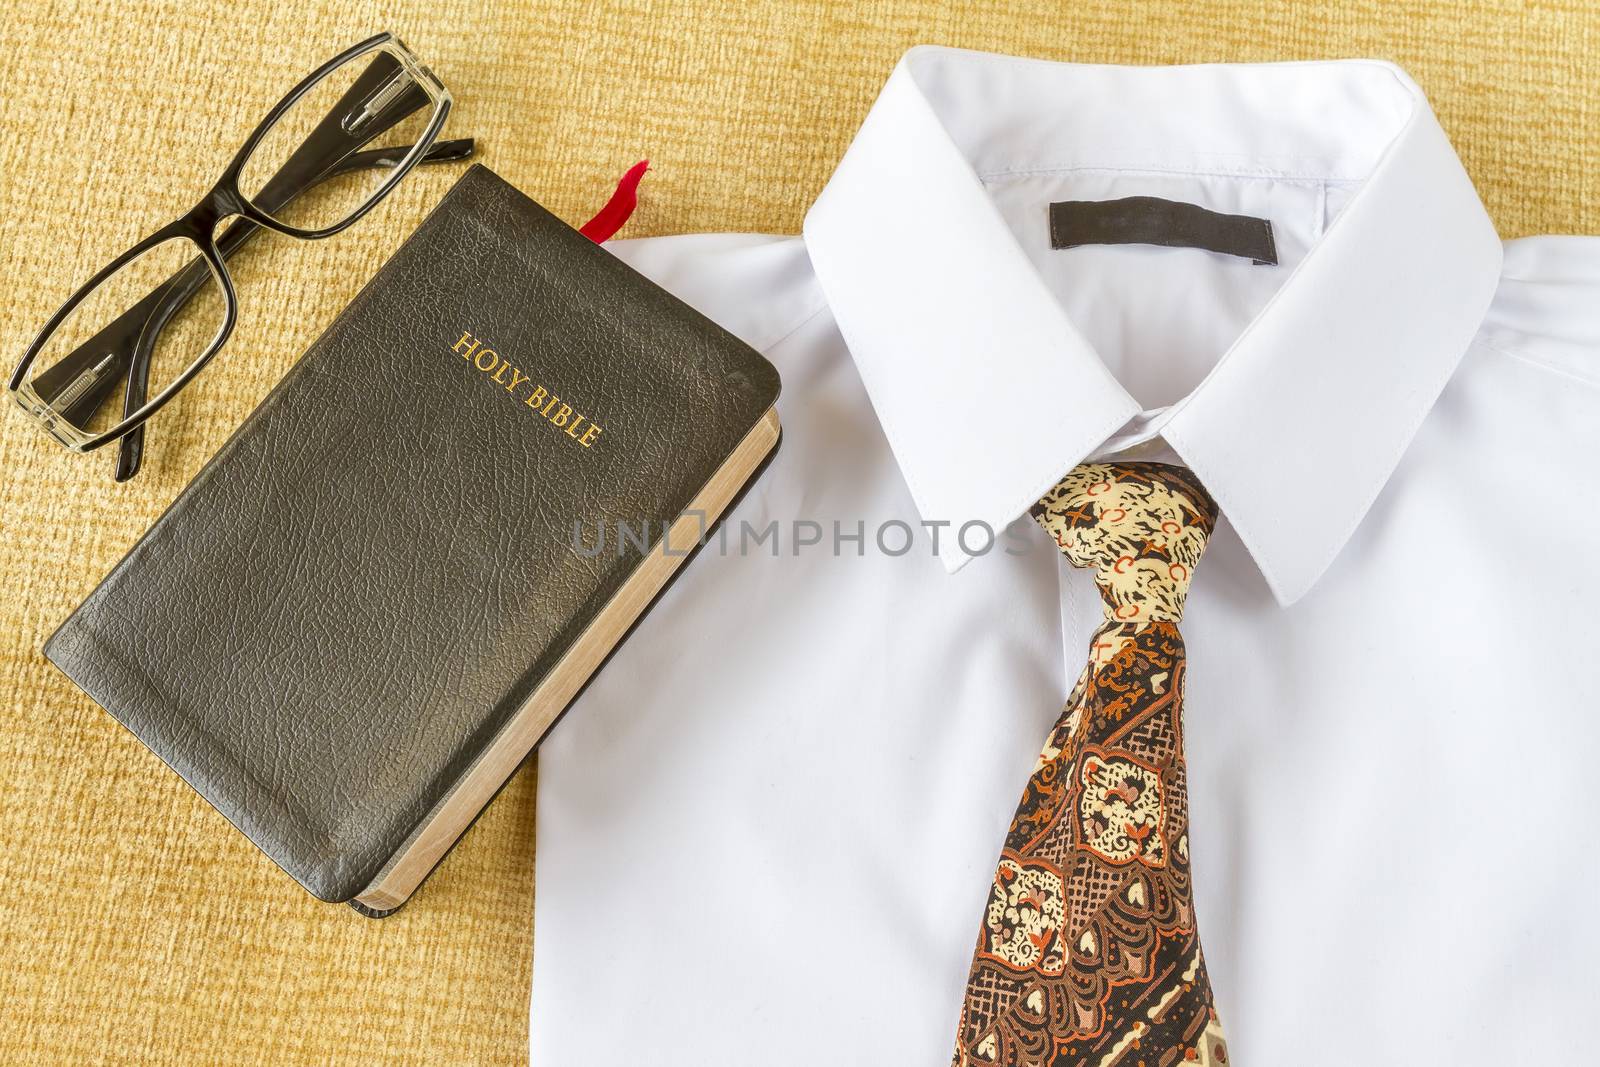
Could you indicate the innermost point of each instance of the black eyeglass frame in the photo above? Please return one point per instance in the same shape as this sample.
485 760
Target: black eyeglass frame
199 227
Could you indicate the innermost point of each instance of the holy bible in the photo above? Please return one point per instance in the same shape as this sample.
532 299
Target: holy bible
367 609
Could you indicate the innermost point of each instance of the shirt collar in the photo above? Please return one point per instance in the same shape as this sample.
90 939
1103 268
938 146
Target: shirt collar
988 394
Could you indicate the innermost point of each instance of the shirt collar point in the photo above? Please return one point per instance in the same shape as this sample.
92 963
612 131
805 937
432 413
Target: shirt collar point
904 238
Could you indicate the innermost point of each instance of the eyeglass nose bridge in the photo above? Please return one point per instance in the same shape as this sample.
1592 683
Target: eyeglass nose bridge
66 395
200 223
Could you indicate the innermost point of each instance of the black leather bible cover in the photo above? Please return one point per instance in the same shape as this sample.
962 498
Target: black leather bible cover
359 591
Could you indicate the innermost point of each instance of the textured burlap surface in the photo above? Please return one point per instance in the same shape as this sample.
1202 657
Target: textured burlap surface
137 926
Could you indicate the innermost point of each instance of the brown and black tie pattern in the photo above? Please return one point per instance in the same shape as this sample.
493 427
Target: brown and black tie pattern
1088 952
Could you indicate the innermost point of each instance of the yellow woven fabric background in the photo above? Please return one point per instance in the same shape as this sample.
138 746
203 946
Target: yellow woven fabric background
137 926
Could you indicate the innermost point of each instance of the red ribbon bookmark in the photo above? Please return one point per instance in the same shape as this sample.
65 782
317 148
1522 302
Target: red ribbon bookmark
611 218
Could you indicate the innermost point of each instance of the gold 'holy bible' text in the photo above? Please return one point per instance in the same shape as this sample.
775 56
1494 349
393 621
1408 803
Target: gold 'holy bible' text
545 402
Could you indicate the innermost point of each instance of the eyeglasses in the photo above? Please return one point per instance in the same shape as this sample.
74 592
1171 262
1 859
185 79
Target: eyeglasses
153 317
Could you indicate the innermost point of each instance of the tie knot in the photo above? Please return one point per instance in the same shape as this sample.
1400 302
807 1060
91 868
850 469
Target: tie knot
1140 526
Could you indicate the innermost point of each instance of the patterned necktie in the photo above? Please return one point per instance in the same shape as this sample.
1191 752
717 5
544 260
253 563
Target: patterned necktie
1088 952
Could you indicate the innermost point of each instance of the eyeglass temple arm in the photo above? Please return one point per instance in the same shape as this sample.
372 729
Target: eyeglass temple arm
326 153
378 100
130 338
128 342
183 286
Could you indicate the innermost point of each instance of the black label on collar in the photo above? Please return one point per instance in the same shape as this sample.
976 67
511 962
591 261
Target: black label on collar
1150 220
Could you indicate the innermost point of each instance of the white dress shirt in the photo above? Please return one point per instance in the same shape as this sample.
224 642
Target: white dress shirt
767 831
